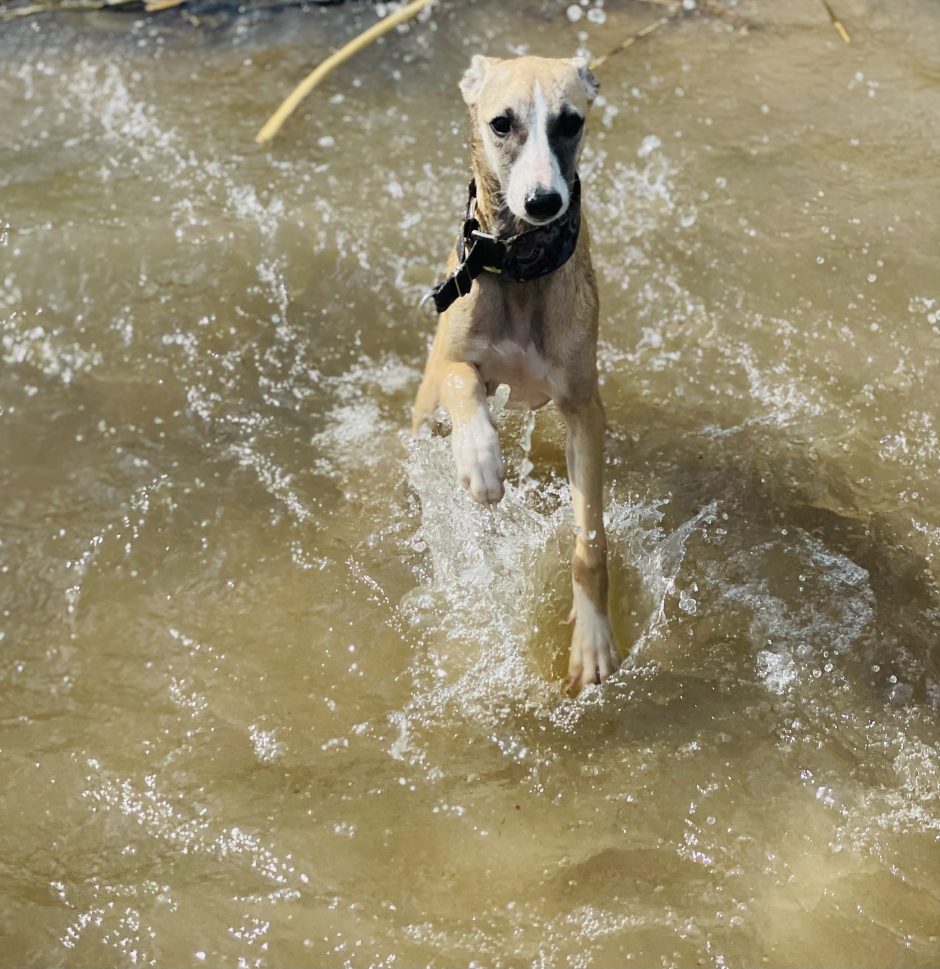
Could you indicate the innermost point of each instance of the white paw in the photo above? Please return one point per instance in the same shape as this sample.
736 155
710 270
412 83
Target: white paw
479 463
594 654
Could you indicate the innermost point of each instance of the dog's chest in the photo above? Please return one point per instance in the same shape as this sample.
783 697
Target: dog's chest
522 367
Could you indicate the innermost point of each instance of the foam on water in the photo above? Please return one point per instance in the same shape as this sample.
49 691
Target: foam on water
490 581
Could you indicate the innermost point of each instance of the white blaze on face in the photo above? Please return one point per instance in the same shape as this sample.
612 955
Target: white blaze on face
536 169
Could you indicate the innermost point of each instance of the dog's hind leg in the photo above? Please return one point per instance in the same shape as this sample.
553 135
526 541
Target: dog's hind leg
426 401
429 393
593 650
474 438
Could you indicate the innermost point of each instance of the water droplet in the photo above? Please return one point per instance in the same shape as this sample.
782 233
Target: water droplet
648 145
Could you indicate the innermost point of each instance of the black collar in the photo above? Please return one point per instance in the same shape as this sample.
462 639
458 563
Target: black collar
521 257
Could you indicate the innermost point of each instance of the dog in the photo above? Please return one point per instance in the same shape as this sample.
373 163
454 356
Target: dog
519 307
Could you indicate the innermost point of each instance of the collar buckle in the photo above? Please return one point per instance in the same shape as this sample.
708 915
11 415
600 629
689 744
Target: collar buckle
489 250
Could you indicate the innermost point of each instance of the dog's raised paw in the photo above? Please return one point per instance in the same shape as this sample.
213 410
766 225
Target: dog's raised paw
478 459
594 655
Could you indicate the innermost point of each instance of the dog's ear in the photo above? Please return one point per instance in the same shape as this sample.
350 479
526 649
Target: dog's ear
586 76
472 81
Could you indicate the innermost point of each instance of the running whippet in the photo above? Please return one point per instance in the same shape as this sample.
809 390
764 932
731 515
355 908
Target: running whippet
519 307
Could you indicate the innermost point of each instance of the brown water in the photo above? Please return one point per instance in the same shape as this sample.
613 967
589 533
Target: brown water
275 692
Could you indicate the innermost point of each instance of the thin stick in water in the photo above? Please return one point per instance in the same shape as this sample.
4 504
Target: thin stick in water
636 36
289 105
837 23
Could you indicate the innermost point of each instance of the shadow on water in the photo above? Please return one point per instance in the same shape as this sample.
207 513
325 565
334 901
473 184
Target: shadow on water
735 556
748 582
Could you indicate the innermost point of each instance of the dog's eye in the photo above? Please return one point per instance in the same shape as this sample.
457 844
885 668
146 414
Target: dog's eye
501 125
570 124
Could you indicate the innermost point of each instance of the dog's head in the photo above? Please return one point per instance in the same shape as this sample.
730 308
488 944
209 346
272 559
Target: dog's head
528 115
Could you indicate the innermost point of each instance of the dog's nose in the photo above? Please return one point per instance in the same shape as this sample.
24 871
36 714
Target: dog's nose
543 205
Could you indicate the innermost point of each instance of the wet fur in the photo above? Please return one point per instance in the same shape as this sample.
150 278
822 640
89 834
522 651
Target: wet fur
540 337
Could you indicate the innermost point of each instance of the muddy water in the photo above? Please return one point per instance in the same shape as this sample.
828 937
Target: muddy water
275 693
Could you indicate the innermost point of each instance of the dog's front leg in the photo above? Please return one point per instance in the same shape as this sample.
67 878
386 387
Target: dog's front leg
474 438
593 650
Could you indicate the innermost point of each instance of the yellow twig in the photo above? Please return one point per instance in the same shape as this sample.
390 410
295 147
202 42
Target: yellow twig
153 6
637 36
837 23
50 7
24 11
273 124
